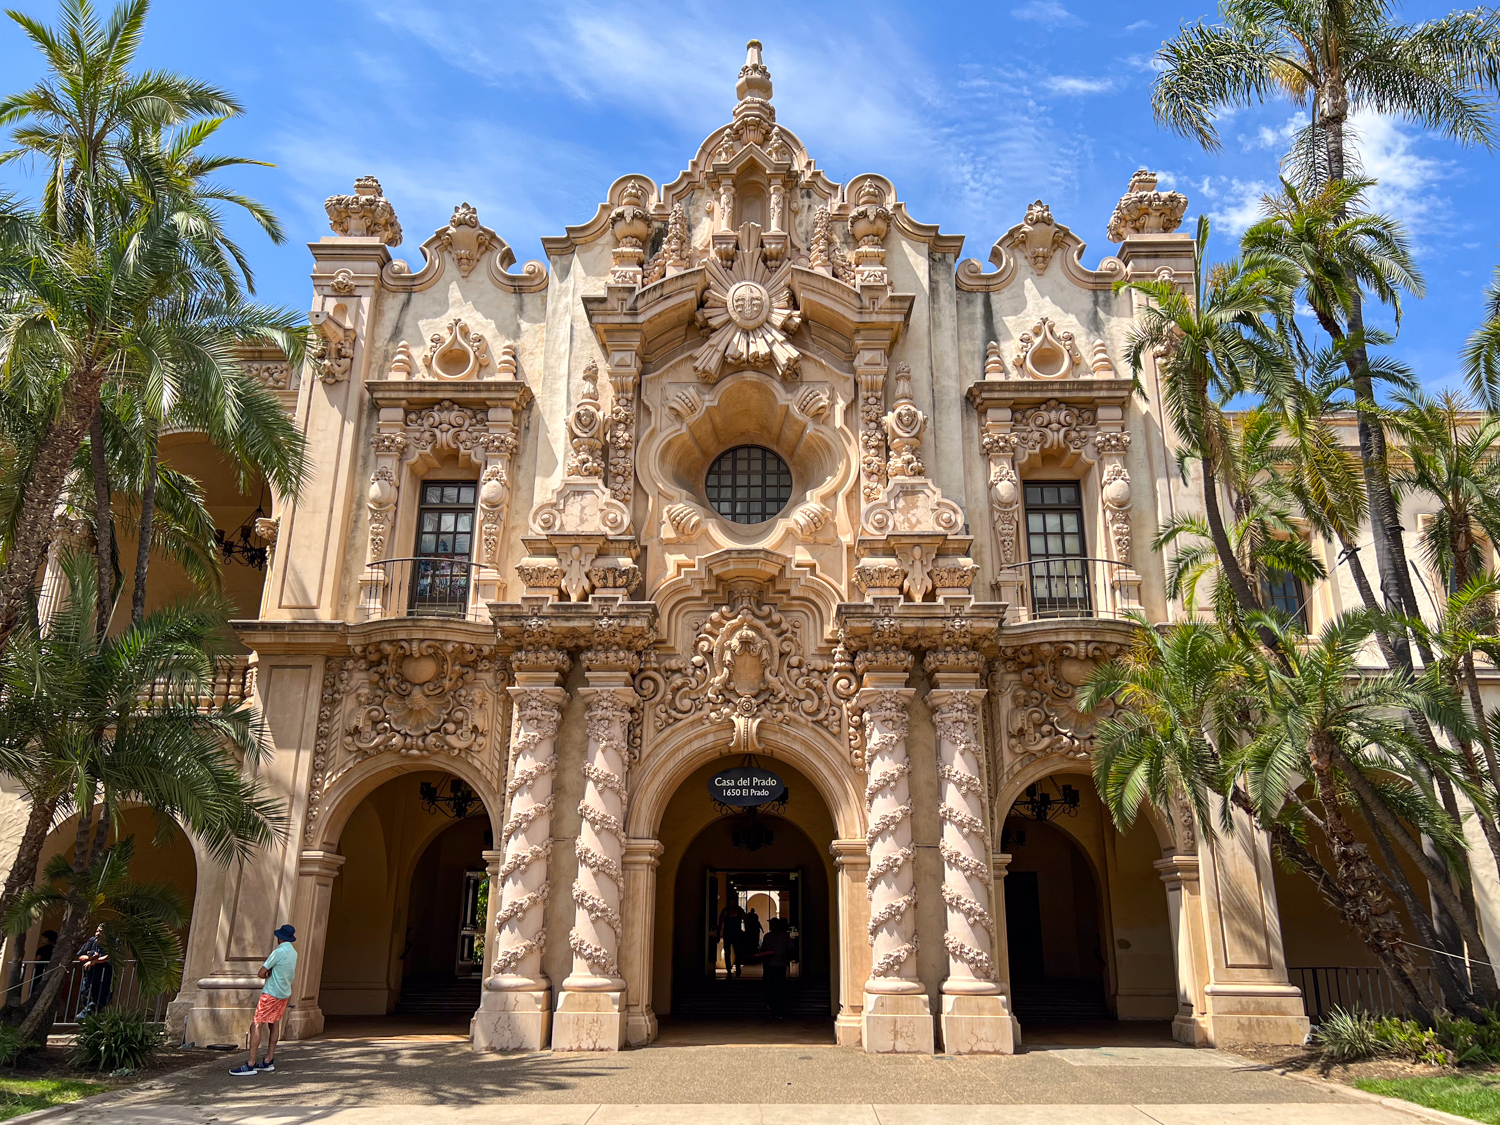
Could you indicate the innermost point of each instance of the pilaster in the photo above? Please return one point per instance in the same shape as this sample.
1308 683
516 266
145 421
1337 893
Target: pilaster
642 857
852 859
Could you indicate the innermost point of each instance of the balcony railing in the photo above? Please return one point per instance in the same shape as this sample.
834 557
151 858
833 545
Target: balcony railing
233 683
124 993
420 587
1071 587
1365 988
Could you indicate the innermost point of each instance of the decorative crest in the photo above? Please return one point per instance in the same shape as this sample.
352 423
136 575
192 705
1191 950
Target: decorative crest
1144 210
365 214
465 239
750 313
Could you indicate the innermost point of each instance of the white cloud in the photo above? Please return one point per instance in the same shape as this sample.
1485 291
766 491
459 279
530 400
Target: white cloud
1277 139
1138 25
1074 86
1407 181
1049 12
1234 203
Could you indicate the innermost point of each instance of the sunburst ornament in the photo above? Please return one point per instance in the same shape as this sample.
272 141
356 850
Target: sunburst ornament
750 312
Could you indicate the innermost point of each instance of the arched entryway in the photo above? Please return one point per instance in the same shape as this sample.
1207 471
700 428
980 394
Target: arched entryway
405 927
778 864
1091 952
164 858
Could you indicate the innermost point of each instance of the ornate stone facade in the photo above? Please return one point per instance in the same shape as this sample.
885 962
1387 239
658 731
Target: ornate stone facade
616 618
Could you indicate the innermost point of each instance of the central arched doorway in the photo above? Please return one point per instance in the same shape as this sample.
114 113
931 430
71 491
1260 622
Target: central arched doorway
406 914
777 864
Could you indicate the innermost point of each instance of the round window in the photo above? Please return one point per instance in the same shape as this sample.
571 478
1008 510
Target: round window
748 484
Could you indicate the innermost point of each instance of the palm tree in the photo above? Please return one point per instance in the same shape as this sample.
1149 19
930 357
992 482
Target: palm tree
125 268
1482 352
89 724
1219 340
1332 58
1266 542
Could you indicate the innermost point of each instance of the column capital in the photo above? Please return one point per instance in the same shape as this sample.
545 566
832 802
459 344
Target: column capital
320 865
850 853
1177 869
642 851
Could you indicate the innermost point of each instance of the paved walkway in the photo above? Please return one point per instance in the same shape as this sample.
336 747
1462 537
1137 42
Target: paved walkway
351 1081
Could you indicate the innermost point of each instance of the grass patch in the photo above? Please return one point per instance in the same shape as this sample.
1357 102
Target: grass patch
1466 1096
22 1095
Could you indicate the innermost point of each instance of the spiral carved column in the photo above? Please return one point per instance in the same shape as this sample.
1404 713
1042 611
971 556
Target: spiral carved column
591 1009
516 1011
897 1017
975 1017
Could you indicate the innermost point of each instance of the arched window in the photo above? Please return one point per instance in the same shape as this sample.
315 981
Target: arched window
748 484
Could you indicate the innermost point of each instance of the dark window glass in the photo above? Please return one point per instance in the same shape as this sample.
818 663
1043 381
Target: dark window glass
748 484
1283 593
1055 550
445 542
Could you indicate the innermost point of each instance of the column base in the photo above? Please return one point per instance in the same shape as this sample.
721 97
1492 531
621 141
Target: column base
512 1021
640 1028
977 1025
1265 1014
589 1021
302 1023
177 1014
897 1025
1191 1031
222 1010
848 1028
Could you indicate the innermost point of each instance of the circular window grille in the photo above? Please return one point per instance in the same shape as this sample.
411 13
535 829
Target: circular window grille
748 484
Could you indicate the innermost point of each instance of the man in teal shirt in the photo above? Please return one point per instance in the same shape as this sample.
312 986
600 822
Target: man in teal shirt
277 971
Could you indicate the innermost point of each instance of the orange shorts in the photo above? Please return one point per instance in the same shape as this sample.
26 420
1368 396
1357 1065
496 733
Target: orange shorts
270 1009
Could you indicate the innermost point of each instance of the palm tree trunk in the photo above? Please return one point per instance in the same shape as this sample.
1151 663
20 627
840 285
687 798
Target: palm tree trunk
38 1021
22 875
1371 911
143 546
1437 882
38 507
1228 561
104 527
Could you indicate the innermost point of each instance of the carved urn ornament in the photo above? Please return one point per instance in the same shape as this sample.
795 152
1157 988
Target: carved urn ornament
365 214
750 314
631 225
1144 210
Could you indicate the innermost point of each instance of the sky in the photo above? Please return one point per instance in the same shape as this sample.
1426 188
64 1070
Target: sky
529 112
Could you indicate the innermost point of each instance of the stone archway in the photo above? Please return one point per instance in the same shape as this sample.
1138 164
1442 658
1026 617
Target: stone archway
373 837
822 766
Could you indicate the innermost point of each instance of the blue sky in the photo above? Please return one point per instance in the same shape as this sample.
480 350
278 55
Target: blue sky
529 111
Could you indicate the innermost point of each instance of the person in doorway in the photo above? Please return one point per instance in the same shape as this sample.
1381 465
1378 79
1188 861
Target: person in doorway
49 944
98 974
732 934
753 932
277 971
775 955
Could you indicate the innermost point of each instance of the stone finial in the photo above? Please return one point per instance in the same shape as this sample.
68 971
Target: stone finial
365 214
755 79
1144 210
994 366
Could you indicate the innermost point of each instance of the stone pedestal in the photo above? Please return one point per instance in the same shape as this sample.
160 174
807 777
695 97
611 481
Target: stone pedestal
513 1021
897 1024
589 1021
1250 1012
977 1025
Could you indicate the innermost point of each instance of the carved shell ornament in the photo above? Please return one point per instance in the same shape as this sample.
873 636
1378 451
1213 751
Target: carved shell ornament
749 312
461 354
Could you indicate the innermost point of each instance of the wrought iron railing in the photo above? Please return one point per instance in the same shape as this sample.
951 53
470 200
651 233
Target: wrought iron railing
420 587
233 682
1071 587
124 992
1364 988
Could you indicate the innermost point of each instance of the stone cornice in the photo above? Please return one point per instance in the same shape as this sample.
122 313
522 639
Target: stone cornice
335 638
953 625
988 393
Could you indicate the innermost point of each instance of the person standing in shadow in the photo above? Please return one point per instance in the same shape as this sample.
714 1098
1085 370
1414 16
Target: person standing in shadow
753 931
775 955
732 934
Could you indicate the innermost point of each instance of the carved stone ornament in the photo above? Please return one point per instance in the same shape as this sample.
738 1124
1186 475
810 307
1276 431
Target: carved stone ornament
465 239
631 224
418 698
275 375
1038 237
586 429
747 665
460 353
823 251
1046 353
1053 427
869 222
1115 488
330 345
365 214
1041 701
1144 210
910 502
905 426
676 254
750 313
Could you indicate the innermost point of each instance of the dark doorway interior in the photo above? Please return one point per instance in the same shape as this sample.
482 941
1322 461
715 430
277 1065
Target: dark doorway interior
781 876
440 962
1053 927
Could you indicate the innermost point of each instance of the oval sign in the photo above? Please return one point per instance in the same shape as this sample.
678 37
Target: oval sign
745 786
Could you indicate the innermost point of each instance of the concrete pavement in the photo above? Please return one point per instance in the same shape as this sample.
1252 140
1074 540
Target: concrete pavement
440 1081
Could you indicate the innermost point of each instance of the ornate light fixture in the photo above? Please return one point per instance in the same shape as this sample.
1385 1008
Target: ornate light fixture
458 803
241 548
1041 805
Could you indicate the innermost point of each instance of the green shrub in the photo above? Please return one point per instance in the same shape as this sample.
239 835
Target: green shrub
1350 1036
12 1046
116 1040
